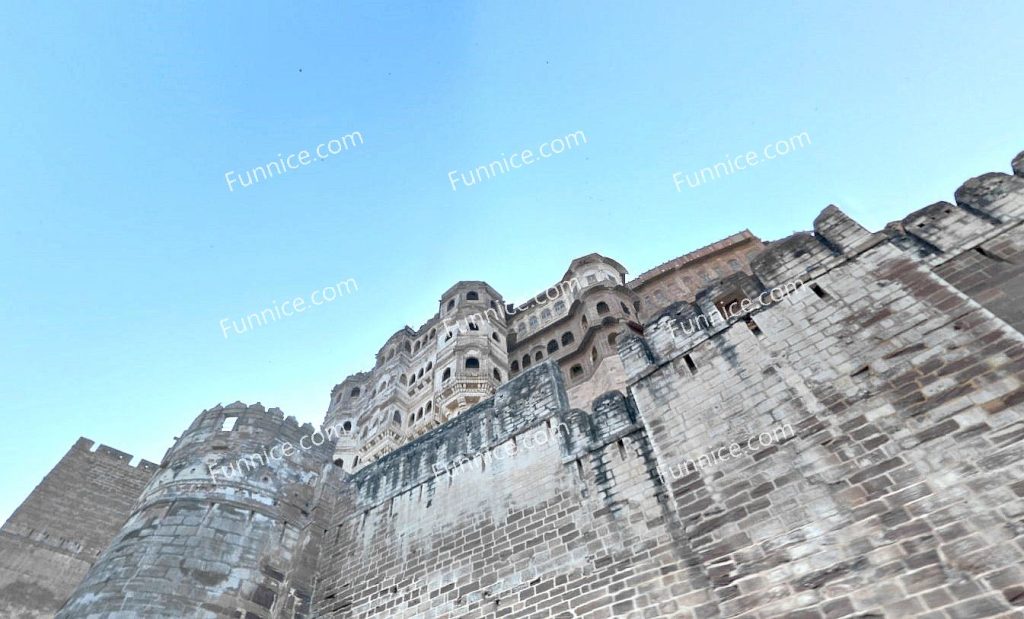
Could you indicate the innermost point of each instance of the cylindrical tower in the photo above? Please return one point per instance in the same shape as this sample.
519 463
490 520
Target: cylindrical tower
223 529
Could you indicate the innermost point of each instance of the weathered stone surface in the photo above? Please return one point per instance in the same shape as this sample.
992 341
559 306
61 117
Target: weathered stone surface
889 385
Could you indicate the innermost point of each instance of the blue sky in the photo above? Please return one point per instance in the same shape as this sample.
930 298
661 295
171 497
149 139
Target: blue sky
121 248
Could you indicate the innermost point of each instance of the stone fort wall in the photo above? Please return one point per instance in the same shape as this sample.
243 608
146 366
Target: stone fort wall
897 491
202 543
49 543
900 493
897 364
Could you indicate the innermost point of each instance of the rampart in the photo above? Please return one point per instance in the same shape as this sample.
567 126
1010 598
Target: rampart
900 368
49 543
200 544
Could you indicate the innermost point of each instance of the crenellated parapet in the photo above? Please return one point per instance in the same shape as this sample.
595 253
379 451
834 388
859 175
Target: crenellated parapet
227 517
988 210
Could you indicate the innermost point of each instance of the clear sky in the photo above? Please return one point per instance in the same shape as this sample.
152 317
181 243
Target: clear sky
122 248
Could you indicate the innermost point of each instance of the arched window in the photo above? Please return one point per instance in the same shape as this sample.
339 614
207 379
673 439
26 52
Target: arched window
494 336
497 374
576 371
472 296
420 373
446 374
417 347
612 338
533 322
602 308
515 366
552 346
545 315
539 355
584 323
403 379
354 393
559 306
433 332
625 308
448 337
347 426
430 405
412 379
521 328
339 462
568 338
391 353
472 363
407 347
526 361
451 305
593 354
397 418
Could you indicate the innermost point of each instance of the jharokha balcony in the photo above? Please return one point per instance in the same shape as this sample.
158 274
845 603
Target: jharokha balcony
465 389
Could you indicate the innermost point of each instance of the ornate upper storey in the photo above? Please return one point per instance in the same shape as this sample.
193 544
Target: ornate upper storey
477 341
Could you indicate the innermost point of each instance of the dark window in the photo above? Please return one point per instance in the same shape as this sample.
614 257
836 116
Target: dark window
526 361
494 336
451 305
347 426
552 346
576 371
472 363
430 405
447 374
397 417
546 314
612 338
538 356
473 327
559 306
354 393
515 366
625 308
602 308
584 323
568 338
472 296
497 374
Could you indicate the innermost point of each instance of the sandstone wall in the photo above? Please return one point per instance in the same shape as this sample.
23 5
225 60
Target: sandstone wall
519 507
48 544
899 492
227 544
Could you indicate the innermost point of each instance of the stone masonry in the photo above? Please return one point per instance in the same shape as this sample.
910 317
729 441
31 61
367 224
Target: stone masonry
894 361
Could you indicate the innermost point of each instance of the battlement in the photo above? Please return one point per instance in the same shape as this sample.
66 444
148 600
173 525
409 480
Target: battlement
987 206
88 446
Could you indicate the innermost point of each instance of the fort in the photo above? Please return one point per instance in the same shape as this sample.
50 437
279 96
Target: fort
898 365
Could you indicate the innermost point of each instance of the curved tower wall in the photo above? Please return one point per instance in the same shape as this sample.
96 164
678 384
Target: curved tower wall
226 527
